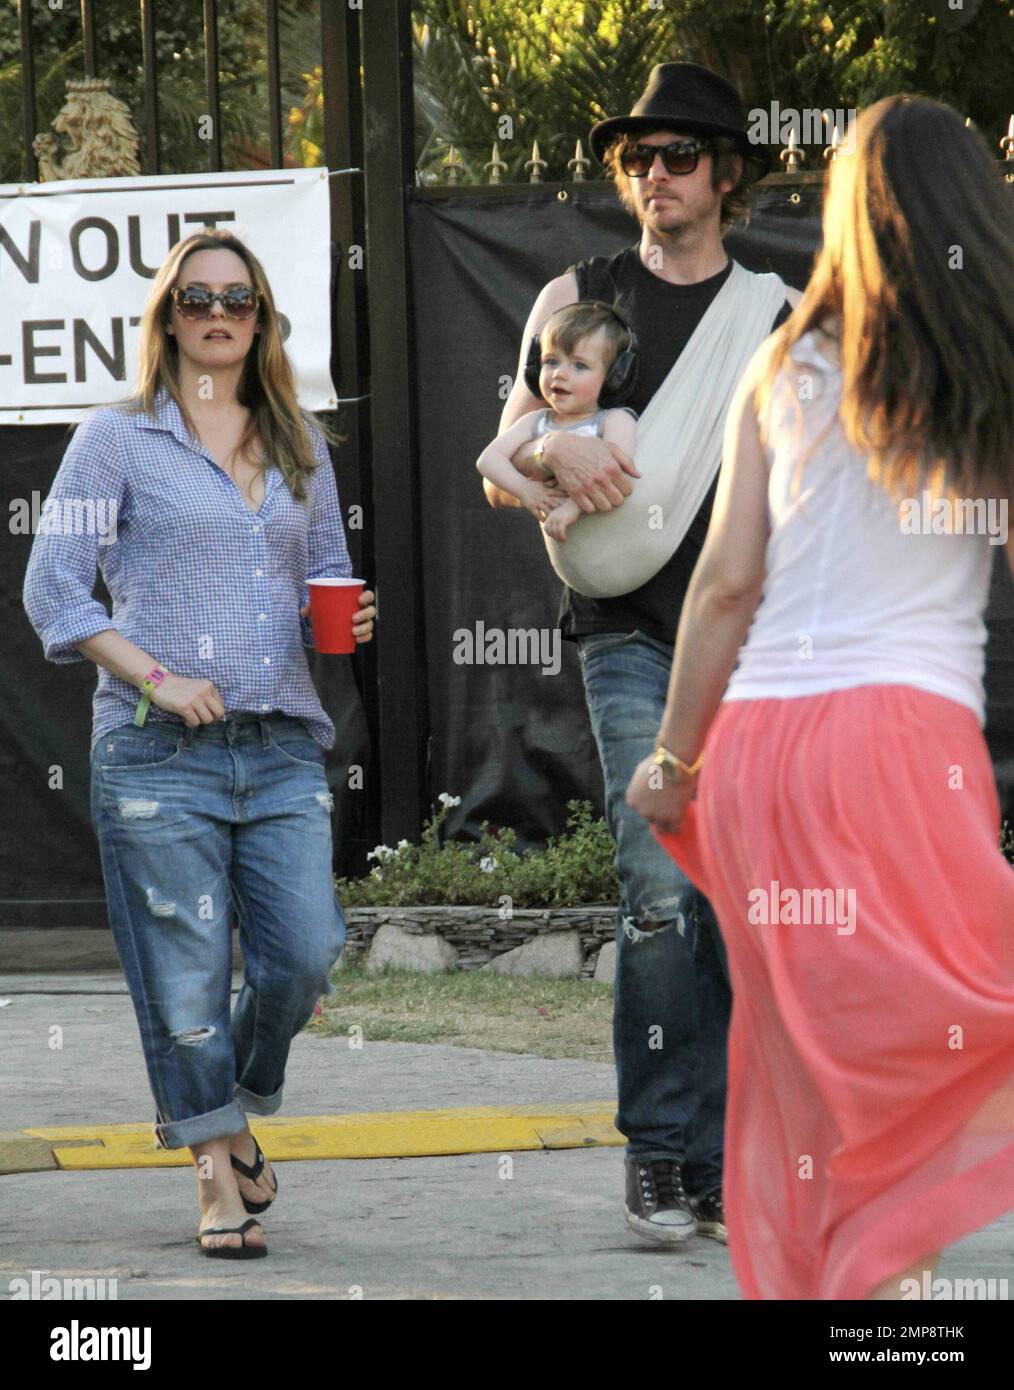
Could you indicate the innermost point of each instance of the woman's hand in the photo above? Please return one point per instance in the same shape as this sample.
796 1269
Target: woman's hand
662 803
362 623
198 702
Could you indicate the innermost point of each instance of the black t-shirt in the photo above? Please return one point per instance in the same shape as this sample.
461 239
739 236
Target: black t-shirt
664 318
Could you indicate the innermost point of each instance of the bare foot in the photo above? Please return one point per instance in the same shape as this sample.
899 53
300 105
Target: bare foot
228 1214
244 1147
219 1197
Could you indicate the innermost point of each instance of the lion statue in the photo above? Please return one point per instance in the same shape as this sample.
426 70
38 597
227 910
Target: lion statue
97 138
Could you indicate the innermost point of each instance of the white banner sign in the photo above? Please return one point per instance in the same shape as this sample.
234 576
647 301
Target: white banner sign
77 260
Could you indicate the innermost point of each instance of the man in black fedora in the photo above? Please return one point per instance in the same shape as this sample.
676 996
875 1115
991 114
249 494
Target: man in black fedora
683 166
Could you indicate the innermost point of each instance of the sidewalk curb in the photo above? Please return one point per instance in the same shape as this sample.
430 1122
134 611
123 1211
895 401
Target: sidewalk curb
381 1134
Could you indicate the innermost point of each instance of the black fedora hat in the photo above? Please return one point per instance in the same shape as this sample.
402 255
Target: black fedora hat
686 96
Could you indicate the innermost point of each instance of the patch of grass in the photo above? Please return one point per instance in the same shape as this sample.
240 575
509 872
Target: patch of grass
472 1008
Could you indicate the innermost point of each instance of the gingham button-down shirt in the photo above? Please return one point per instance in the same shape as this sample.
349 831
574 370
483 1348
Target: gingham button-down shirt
207 586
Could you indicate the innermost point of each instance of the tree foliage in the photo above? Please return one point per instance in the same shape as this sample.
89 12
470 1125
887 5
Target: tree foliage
519 70
555 67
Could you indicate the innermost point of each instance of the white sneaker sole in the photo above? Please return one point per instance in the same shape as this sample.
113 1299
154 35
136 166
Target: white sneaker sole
660 1235
715 1230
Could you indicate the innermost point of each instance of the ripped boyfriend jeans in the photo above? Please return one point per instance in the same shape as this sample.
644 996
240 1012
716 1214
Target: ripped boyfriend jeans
671 998
198 827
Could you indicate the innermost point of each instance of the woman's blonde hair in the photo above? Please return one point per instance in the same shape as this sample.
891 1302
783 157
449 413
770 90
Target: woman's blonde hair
267 386
917 265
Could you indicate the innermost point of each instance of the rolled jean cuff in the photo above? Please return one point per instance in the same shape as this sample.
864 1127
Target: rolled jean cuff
215 1124
258 1105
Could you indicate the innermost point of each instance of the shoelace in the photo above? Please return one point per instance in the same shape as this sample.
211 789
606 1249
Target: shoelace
667 1179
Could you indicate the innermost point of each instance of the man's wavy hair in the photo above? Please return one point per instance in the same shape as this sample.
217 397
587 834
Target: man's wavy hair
723 152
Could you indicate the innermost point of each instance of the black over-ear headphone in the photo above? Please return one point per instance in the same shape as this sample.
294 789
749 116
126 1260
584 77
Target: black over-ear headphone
621 377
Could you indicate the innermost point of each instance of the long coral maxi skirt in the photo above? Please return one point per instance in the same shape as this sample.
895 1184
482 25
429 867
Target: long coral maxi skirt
870 1114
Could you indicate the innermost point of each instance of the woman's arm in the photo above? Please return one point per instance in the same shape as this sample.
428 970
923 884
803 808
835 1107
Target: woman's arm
327 548
196 701
719 607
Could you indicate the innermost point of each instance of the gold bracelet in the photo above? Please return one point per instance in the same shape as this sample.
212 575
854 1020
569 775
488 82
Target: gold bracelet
669 761
540 449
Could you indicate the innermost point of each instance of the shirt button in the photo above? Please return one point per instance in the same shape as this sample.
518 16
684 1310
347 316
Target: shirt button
258 572
263 706
267 661
257 526
262 616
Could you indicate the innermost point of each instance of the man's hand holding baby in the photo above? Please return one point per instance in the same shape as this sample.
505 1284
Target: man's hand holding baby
591 471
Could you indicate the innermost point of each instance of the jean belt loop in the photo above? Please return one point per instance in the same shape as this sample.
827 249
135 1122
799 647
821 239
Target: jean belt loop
265 732
188 737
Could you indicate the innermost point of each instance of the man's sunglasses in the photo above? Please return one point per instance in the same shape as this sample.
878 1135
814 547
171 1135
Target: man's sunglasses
679 157
194 303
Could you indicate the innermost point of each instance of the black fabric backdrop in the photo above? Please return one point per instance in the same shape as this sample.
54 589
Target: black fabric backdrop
514 744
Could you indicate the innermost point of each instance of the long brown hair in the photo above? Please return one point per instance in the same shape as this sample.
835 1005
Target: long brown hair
917 266
267 386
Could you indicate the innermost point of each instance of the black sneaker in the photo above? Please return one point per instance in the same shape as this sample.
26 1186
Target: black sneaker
657 1207
710 1215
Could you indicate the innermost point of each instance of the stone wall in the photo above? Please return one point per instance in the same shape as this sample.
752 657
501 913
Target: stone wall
478 935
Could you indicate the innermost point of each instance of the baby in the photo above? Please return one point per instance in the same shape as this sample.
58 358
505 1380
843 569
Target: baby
584 365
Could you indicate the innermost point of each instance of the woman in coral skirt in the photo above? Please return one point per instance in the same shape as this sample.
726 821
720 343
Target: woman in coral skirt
845 822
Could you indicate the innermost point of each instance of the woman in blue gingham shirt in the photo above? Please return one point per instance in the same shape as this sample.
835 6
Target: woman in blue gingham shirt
207 503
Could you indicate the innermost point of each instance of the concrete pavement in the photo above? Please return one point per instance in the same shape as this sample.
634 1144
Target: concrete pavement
535 1225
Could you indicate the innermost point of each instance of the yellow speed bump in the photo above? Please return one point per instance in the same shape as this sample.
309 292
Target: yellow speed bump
381 1134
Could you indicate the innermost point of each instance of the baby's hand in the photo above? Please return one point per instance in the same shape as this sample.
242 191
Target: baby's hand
541 499
560 518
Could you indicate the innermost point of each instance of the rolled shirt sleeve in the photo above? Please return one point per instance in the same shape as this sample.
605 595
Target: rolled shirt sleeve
327 550
80 520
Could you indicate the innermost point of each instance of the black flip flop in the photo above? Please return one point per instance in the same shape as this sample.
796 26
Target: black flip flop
253 1172
231 1252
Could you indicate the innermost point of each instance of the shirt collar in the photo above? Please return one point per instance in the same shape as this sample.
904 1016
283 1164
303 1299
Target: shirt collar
166 415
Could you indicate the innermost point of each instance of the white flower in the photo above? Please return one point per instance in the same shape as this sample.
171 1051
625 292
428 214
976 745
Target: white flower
488 864
446 799
403 844
381 852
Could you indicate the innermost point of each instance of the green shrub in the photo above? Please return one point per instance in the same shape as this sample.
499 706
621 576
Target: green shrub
574 868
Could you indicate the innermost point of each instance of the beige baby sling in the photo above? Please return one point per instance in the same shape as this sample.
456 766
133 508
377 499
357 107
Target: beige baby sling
679 447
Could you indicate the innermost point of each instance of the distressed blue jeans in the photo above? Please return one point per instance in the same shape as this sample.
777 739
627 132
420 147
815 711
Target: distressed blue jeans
199 827
671 994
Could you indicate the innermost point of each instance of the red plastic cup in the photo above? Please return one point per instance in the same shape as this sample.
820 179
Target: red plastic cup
333 605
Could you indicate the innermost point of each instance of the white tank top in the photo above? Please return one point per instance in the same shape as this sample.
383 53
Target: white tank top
854 593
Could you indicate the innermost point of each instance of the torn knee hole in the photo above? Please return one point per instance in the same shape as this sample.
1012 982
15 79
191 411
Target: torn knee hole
636 929
159 907
135 808
190 1036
